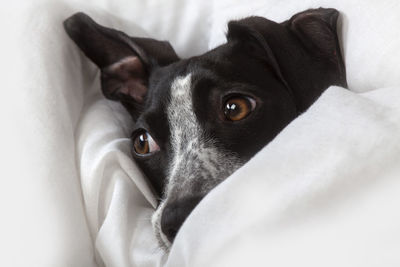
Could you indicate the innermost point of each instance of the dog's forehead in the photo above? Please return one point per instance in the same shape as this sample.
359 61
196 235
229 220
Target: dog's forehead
205 71
165 83
154 114
163 80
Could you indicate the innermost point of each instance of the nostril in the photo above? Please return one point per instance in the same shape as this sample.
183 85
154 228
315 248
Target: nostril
170 232
171 220
175 213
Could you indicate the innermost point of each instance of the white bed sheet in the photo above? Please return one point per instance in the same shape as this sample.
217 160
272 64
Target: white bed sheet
71 196
51 211
325 192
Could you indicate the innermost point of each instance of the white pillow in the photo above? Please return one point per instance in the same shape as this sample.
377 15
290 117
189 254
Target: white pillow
49 88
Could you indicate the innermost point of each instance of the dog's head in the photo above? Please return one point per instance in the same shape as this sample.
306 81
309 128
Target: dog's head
199 119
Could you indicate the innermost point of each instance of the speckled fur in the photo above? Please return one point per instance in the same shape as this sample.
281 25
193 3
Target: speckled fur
198 164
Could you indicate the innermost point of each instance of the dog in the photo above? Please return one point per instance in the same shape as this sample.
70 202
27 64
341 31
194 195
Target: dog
199 119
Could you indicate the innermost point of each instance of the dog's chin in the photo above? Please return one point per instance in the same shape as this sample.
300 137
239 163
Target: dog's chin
163 241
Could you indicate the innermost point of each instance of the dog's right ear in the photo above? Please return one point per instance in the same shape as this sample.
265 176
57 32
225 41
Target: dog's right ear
125 62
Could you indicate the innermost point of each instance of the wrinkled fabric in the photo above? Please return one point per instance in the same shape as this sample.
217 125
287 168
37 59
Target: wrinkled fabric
59 147
325 192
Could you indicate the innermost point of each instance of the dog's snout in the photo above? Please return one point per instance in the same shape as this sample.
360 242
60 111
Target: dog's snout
175 213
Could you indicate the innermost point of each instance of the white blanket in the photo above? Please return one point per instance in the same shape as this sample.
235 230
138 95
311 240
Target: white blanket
324 192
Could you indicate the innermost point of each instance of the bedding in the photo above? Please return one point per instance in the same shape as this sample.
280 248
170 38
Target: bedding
324 192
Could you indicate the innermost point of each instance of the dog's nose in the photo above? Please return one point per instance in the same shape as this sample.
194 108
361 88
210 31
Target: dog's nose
175 213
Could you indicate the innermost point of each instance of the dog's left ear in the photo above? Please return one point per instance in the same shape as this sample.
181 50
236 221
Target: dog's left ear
125 62
248 33
303 51
316 29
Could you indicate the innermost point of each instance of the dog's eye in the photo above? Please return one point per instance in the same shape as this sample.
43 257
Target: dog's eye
238 107
143 143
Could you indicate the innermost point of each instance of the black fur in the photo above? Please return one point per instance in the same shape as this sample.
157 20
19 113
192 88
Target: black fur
284 66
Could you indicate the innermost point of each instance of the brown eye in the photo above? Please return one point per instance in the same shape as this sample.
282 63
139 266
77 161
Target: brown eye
144 144
238 107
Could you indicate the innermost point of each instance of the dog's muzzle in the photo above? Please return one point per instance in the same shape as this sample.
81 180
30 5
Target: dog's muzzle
175 213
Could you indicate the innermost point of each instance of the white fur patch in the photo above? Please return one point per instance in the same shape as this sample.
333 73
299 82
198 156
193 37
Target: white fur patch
197 163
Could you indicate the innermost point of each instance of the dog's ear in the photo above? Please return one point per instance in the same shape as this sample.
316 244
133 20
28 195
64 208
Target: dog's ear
316 29
125 62
303 51
248 34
